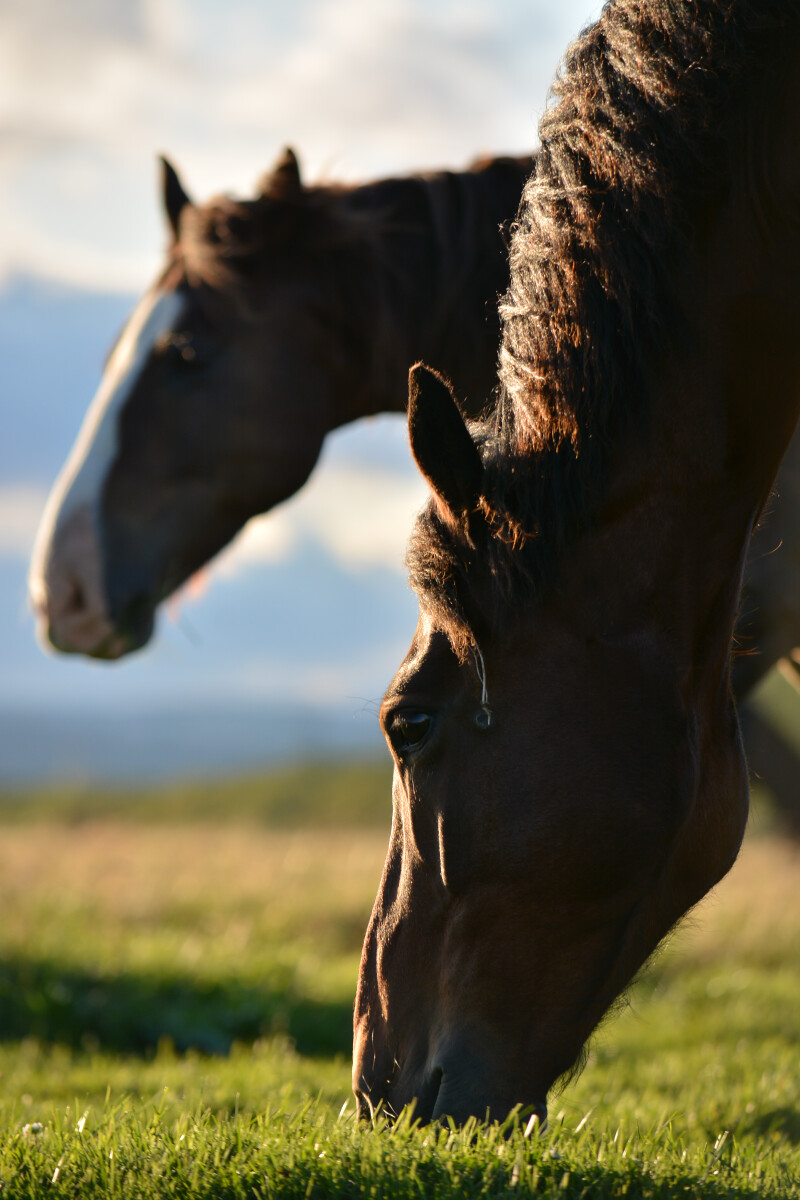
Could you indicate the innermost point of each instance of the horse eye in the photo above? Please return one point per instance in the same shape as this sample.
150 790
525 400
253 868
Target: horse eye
408 730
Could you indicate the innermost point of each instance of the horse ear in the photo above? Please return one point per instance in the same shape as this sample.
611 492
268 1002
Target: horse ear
283 181
175 198
441 443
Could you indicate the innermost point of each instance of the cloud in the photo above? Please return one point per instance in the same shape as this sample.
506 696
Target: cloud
421 80
355 675
362 518
20 510
91 91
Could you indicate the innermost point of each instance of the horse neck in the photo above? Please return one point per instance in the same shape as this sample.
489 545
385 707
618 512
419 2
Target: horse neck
425 282
661 571
681 502
658 579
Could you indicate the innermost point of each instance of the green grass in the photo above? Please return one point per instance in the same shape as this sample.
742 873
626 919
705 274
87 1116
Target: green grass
313 795
779 702
300 1149
175 1007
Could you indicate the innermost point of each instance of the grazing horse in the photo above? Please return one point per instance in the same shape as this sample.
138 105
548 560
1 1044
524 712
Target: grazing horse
569 777
274 321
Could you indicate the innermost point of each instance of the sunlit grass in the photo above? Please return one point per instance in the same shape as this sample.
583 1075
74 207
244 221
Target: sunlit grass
314 795
175 1009
303 1151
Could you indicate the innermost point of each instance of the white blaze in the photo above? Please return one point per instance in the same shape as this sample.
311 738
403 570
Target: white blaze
66 580
80 483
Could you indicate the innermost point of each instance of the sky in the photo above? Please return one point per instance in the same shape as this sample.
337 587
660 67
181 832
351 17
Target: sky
90 93
92 90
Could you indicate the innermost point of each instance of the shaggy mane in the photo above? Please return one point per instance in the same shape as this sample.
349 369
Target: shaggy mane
646 133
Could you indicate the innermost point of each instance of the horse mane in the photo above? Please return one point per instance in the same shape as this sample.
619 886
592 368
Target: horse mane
645 135
225 243
371 251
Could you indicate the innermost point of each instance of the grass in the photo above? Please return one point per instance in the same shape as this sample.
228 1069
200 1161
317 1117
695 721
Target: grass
315 795
175 1007
779 702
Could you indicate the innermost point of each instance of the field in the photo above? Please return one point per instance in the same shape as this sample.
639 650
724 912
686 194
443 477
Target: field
176 982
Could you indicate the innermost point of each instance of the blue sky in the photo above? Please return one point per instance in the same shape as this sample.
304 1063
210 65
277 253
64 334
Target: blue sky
90 92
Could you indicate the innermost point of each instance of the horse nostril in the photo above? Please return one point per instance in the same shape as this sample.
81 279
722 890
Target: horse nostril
76 600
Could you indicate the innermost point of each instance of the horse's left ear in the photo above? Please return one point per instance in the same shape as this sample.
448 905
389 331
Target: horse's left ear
283 182
175 198
441 443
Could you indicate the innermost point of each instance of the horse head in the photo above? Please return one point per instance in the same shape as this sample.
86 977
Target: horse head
550 816
212 407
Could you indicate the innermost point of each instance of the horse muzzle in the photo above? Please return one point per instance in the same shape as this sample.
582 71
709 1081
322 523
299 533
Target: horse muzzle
448 1087
67 595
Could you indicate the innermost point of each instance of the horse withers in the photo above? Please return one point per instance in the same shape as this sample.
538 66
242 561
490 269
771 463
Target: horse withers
569 777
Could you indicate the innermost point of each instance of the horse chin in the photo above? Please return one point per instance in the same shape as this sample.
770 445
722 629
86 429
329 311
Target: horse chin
462 1098
101 642
133 635
92 634
121 644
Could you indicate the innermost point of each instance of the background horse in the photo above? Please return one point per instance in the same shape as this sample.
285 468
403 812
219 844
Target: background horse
569 778
274 321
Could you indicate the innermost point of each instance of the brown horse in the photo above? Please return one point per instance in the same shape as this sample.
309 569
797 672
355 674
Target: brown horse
569 776
219 420
274 321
